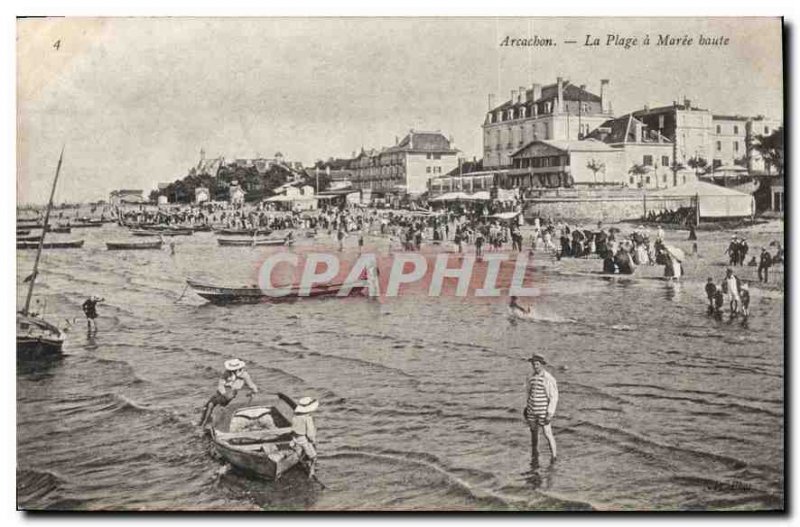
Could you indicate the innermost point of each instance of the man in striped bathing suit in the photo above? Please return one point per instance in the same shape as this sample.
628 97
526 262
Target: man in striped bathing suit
542 397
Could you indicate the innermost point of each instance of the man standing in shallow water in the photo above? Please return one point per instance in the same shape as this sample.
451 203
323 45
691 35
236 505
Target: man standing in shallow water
541 392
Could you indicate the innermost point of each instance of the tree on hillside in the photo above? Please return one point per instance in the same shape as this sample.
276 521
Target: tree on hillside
771 149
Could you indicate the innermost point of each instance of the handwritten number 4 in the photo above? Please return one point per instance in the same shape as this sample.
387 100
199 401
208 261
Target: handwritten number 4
57 44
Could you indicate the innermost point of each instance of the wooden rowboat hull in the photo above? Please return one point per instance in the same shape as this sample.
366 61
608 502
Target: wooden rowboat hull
121 246
51 245
254 295
250 243
263 452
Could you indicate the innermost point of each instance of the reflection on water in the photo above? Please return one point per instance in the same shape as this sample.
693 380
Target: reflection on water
421 397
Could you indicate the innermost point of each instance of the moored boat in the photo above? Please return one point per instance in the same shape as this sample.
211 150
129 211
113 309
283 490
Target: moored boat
251 242
37 338
71 244
161 232
62 229
242 232
253 294
85 225
29 238
131 246
23 232
255 438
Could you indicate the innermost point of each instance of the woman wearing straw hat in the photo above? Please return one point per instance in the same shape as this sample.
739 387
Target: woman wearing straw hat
233 379
304 433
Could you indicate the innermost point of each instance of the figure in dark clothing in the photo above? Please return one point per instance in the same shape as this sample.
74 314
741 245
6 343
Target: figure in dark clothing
90 310
765 262
744 294
719 299
692 233
711 293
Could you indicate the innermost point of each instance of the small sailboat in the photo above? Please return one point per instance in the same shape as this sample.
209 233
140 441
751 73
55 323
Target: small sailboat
37 338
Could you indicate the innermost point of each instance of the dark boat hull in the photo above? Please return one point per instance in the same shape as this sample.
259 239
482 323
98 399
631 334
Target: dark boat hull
254 295
226 242
51 245
112 246
37 339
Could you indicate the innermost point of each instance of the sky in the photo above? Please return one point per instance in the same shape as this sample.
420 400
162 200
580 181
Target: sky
133 100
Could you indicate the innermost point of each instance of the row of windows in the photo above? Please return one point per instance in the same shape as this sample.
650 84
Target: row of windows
735 146
434 156
647 160
648 180
736 130
534 133
433 170
542 162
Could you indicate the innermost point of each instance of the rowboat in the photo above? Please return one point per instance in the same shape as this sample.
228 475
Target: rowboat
254 438
72 244
164 232
85 225
63 229
130 246
249 242
221 295
30 238
242 232
23 232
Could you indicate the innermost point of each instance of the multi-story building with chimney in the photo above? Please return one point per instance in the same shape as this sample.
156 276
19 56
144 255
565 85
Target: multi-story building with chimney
721 140
406 167
560 112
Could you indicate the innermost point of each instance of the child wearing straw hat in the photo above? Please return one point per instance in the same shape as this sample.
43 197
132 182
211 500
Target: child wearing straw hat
232 380
304 433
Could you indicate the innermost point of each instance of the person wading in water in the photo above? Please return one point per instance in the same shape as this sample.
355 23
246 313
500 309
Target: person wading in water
516 309
541 391
232 380
90 310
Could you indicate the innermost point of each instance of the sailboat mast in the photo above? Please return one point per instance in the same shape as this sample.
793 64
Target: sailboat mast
44 232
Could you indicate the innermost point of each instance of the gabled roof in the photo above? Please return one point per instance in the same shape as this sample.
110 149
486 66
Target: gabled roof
586 145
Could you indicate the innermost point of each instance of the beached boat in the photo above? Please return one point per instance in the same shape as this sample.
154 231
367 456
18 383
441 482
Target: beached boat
242 232
71 244
36 338
132 246
85 225
253 294
161 232
62 229
29 238
23 232
251 242
255 438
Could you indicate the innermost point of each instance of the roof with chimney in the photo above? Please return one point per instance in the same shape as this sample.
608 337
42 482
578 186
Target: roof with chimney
550 92
623 130
685 106
424 142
